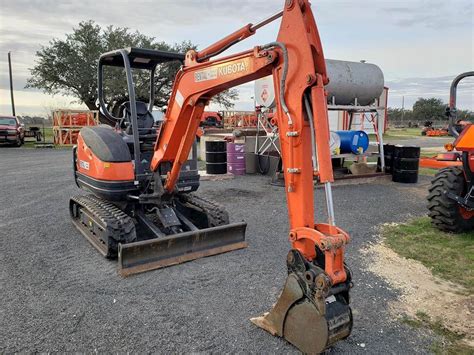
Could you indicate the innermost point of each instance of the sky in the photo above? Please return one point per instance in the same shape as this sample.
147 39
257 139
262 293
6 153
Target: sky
419 45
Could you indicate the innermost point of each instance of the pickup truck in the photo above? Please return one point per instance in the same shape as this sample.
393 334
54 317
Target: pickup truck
11 131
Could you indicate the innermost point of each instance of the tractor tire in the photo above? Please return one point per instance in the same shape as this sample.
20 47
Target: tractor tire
446 214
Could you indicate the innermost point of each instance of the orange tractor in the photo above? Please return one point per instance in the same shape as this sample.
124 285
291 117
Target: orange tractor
136 213
451 195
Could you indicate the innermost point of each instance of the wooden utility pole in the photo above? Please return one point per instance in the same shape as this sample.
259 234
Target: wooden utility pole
11 83
403 110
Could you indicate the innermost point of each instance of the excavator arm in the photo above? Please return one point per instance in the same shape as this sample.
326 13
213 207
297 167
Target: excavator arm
297 64
194 86
312 313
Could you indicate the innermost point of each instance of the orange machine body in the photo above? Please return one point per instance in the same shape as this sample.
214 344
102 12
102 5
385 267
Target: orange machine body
110 180
200 79
463 143
89 164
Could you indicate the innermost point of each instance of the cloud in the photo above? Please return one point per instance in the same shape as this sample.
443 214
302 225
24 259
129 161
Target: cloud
413 88
433 14
406 38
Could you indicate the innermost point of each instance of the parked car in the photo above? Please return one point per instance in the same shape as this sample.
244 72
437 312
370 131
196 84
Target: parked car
11 131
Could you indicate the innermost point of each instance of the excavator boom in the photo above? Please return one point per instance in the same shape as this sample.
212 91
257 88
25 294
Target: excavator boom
312 312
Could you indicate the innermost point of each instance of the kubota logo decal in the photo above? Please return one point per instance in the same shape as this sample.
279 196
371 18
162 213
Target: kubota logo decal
232 68
83 164
223 70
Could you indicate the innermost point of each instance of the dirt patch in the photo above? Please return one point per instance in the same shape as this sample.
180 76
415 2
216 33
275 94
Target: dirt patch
442 300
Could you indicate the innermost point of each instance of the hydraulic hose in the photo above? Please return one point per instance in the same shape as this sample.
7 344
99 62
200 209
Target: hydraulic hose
283 76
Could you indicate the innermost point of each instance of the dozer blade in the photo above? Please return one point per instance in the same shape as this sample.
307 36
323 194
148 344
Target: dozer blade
176 249
298 320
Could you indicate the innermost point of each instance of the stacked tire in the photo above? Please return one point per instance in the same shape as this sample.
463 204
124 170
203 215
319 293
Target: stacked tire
216 157
406 160
388 158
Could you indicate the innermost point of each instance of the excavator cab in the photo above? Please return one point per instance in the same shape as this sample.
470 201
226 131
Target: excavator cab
127 215
136 121
139 114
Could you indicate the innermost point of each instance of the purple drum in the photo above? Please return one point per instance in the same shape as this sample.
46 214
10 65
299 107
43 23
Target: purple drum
236 158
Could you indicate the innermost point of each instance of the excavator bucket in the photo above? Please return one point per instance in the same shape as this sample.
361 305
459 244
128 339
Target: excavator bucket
175 249
312 321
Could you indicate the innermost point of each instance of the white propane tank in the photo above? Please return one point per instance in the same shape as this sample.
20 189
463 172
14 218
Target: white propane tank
349 82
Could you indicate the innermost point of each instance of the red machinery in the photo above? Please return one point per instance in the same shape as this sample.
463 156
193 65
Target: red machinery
451 195
137 213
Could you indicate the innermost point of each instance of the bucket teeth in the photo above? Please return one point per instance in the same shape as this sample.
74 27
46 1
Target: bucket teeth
274 320
296 318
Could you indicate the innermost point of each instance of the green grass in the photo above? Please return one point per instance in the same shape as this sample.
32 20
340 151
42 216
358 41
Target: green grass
48 138
48 133
403 133
428 171
450 256
427 154
399 133
451 343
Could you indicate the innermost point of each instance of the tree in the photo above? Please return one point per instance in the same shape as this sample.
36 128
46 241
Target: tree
398 115
429 109
465 115
69 67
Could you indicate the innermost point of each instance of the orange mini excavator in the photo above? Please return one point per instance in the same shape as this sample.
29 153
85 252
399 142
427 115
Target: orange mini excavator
137 213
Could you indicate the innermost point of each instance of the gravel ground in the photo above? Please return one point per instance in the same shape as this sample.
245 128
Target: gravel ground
59 294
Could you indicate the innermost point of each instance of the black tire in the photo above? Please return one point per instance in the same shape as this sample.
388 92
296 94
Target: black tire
445 213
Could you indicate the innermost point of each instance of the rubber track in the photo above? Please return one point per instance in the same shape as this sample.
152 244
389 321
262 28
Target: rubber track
444 212
216 214
118 225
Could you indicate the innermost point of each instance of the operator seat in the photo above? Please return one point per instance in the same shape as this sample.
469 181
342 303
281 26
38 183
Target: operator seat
146 131
144 117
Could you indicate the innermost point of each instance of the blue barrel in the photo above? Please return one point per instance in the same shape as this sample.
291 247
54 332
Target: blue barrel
236 158
355 142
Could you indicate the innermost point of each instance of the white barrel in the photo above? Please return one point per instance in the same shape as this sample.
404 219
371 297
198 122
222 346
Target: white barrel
334 143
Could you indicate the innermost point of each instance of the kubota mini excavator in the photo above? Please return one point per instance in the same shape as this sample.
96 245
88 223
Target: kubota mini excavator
451 195
137 212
